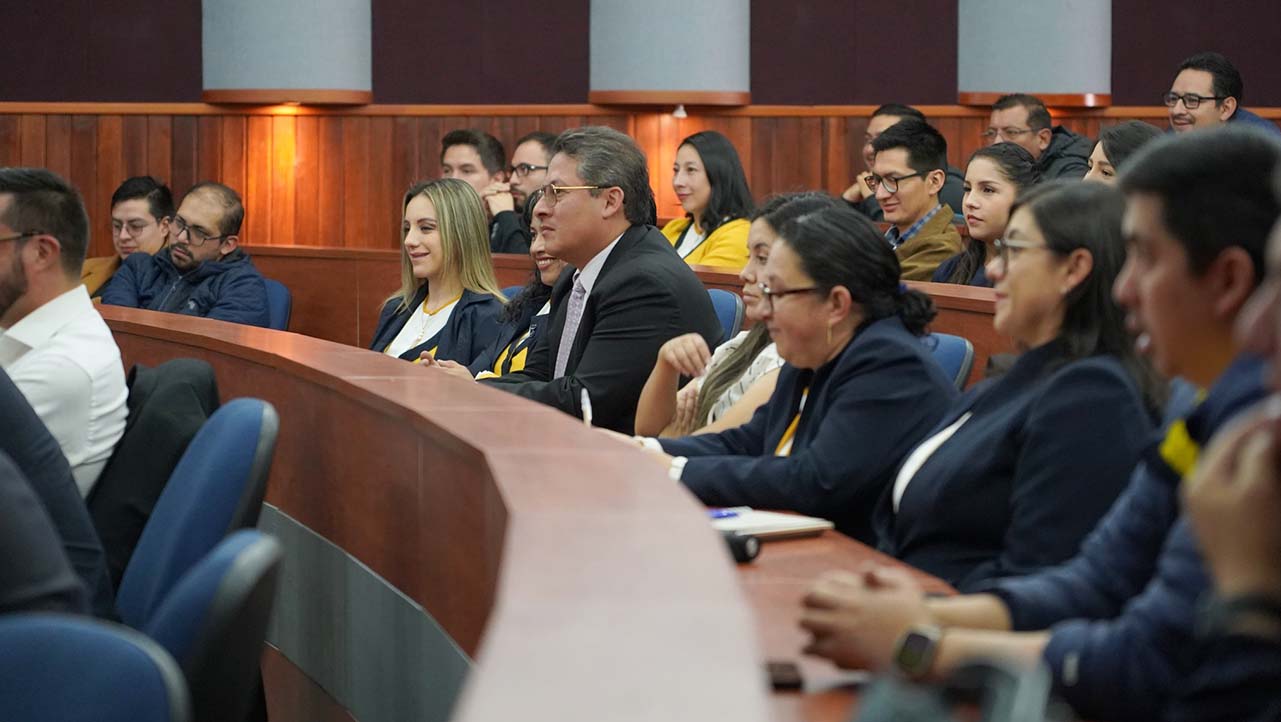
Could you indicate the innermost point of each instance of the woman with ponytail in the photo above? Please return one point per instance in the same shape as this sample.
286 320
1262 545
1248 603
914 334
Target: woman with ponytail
995 176
1024 465
858 391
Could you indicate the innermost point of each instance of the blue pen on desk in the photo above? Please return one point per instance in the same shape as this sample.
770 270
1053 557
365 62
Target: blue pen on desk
722 513
585 402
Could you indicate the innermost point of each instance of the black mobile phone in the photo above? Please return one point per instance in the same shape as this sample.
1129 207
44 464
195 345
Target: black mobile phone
784 675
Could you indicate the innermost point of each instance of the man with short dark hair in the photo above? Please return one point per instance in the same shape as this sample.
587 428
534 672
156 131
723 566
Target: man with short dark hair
53 343
203 271
862 198
478 158
141 209
908 169
627 293
508 232
1023 119
1116 624
1207 91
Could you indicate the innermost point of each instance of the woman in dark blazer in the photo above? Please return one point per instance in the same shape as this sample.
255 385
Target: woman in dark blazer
858 391
448 303
1023 466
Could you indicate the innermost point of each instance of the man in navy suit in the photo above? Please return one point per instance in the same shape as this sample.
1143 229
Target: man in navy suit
627 293
1115 624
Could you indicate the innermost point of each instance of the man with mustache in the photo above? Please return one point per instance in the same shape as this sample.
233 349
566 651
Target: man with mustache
1207 92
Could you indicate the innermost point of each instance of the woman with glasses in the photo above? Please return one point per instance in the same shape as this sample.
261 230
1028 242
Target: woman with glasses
448 303
709 181
994 177
727 386
1023 466
859 389
1116 144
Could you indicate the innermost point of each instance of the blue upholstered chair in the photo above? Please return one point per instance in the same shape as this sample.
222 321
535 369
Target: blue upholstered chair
214 622
216 489
280 304
77 669
511 291
729 309
954 353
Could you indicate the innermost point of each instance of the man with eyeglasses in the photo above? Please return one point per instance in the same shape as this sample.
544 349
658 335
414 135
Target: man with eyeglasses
203 271
477 158
908 171
1206 92
54 345
506 201
1023 119
627 293
861 197
141 210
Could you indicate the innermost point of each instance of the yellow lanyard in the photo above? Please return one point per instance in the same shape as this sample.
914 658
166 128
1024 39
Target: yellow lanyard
784 447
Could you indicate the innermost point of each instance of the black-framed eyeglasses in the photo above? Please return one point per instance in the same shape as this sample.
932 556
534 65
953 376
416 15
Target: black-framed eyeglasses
195 236
1006 133
524 169
890 182
552 193
21 236
1191 101
1007 249
768 295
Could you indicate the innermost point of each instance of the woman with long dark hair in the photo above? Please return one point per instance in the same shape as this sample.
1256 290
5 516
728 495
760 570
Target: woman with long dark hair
1116 144
709 181
1022 467
858 391
994 177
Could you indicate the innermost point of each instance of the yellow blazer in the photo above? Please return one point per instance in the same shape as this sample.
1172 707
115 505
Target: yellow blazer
95 272
726 247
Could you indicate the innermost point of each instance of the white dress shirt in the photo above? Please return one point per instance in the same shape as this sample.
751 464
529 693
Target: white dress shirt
64 360
589 273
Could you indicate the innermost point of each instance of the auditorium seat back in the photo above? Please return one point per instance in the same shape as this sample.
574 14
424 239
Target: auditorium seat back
729 309
214 622
954 353
280 304
77 669
217 487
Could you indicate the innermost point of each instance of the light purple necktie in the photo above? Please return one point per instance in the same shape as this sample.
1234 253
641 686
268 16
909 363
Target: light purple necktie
577 299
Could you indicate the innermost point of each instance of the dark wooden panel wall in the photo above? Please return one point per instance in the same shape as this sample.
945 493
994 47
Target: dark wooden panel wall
336 177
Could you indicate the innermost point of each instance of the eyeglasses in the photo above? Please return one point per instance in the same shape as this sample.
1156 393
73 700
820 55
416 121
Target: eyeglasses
21 236
1005 133
1011 249
768 295
136 228
552 193
524 169
1191 101
195 236
890 182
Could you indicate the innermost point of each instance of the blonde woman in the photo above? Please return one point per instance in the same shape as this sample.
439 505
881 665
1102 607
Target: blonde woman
448 303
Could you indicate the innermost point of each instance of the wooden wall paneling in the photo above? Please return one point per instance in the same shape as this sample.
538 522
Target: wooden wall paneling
406 149
209 150
836 170
798 161
133 146
949 127
233 172
356 210
385 193
283 179
257 191
109 174
307 224
84 162
183 160
428 163
10 140
32 148
760 174
330 204
58 144
160 148
855 135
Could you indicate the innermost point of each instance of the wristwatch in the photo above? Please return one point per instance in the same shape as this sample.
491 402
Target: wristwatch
915 651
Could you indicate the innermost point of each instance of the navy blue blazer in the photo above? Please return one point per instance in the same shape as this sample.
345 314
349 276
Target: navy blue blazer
471 328
866 409
1047 450
516 338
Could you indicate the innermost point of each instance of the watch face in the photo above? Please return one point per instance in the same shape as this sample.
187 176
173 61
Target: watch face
915 651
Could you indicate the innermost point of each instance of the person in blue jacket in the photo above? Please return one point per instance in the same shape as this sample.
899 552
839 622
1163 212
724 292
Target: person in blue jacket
1115 624
448 303
1019 470
859 389
203 271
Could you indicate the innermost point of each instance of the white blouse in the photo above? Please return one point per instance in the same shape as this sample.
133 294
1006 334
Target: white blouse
420 327
766 361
